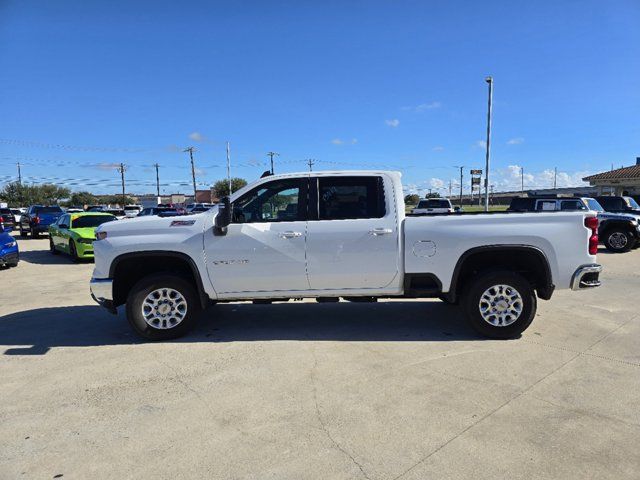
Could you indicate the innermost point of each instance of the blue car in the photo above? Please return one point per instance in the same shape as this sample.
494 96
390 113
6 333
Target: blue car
9 254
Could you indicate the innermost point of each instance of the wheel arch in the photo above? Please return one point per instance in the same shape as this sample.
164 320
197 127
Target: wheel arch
129 268
527 260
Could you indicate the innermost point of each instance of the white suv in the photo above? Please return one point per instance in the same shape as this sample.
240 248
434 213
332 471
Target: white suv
433 205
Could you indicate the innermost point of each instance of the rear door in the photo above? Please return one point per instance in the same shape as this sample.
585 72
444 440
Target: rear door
353 238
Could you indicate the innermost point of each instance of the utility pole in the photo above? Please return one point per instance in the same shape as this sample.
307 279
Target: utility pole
492 190
193 170
522 178
157 178
450 185
461 176
555 178
121 169
19 175
229 167
311 162
272 154
489 80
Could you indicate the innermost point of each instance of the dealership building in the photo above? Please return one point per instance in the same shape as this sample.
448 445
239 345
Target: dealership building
621 181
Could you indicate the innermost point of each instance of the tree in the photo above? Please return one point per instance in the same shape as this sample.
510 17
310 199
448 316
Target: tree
412 199
221 187
82 199
23 195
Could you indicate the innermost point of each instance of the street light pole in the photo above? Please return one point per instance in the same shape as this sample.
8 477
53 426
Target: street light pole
489 80
461 177
272 154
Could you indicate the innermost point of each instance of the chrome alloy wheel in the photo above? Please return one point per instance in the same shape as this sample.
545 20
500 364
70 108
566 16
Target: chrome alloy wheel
618 240
500 305
164 308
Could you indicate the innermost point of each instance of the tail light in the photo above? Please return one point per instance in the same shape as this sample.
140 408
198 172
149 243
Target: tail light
592 223
36 220
1 219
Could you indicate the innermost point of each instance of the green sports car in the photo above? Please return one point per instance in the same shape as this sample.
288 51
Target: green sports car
74 233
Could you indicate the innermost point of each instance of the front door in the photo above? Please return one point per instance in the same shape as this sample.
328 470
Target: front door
264 248
353 237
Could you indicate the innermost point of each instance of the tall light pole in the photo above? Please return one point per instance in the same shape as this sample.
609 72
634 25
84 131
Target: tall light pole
489 80
157 178
19 174
522 178
461 176
229 167
122 169
272 154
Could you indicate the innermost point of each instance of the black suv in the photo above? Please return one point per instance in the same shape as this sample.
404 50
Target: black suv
619 232
619 204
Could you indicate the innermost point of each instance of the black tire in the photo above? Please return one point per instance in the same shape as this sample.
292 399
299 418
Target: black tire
472 301
52 248
73 251
618 240
23 233
34 233
149 284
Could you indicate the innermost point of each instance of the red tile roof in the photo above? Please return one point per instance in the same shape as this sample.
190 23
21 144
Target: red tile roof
619 173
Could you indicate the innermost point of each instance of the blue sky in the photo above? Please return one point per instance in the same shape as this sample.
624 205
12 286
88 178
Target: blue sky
88 84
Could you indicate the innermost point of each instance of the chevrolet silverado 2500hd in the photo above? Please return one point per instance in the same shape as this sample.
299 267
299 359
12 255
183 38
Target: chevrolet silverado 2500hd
339 234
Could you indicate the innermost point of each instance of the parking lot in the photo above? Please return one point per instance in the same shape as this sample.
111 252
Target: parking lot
398 389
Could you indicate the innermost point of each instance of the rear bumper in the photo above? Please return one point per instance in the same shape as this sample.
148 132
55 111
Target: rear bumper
587 276
102 292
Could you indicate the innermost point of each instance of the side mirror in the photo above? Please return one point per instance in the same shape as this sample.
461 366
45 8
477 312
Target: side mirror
63 225
223 219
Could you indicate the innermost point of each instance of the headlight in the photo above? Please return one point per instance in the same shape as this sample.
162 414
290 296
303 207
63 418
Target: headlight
85 240
9 245
101 235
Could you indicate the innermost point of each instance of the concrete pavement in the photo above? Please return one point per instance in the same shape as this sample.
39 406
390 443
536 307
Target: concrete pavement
399 389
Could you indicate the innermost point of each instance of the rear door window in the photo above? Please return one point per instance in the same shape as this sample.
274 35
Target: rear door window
572 205
546 205
342 198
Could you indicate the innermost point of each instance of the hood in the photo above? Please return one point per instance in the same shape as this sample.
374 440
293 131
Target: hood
86 232
618 216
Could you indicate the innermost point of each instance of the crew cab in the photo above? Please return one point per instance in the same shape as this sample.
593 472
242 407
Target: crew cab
339 234
618 232
37 218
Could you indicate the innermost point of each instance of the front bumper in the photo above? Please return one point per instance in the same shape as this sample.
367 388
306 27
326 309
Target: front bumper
84 250
102 292
587 276
9 257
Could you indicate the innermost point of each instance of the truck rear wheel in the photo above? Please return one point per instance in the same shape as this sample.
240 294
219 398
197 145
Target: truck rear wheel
500 304
162 306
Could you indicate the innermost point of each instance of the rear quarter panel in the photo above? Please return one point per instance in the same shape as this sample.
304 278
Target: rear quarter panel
434 244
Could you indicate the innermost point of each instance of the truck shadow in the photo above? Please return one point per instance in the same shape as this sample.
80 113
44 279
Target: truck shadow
45 257
35 332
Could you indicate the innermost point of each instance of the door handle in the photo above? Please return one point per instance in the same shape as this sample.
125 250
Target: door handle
290 234
380 231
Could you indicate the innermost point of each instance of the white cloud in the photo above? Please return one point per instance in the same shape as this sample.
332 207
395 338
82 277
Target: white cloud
107 166
393 122
423 106
510 178
438 148
339 141
197 137
200 172
436 183
480 144
515 141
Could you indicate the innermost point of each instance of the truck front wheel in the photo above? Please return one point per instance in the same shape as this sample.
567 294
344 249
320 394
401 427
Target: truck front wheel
162 306
500 304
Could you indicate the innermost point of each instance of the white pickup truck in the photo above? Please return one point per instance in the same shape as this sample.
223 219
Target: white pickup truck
339 234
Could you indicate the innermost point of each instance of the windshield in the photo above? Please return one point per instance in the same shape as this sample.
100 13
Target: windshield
594 205
90 221
433 203
48 210
632 203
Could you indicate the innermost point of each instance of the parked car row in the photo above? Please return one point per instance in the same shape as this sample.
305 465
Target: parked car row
618 222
